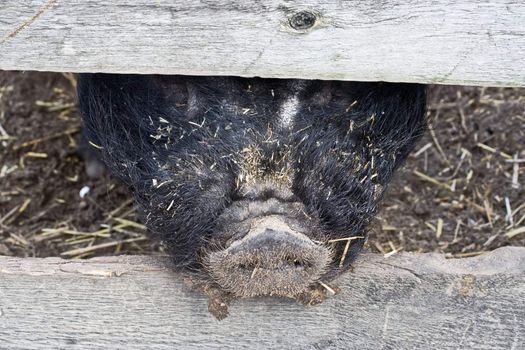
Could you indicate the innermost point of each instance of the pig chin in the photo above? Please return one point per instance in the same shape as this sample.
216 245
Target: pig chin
270 249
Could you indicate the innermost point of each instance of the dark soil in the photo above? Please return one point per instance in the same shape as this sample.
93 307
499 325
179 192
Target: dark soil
460 193
42 175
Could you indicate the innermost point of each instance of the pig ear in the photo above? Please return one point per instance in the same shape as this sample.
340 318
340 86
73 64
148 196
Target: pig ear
173 88
181 94
324 95
117 113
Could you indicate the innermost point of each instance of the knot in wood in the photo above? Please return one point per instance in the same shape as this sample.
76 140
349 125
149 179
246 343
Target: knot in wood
303 20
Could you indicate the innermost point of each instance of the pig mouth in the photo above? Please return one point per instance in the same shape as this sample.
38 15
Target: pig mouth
270 254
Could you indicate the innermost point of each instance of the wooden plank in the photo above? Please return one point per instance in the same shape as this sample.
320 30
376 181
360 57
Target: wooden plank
442 41
403 302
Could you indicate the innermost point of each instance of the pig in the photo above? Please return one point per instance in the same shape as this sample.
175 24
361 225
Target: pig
257 186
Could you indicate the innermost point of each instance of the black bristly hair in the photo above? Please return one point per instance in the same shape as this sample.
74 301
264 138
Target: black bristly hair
188 147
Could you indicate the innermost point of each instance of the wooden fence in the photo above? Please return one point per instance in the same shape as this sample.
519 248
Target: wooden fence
407 301
466 42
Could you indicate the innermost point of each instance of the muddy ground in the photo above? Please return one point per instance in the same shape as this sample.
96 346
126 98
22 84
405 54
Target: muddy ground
461 192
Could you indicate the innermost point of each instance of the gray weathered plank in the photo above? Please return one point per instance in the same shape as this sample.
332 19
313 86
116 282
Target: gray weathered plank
443 41
403 302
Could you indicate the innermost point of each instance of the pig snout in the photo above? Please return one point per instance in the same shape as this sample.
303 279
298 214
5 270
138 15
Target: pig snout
271 259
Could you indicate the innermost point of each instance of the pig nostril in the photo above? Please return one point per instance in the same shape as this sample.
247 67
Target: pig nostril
287 262
296 263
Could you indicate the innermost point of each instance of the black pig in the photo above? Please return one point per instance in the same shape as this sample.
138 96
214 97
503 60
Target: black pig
262 186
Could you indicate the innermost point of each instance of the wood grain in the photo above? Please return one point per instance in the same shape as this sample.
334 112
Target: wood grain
402 302
443 41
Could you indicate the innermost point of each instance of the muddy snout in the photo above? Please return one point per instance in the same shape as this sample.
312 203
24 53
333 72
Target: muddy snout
272 259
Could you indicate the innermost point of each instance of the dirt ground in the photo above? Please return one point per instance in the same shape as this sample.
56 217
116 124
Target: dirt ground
461 192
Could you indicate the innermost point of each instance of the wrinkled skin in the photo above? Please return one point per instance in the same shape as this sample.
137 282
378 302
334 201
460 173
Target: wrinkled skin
260 186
